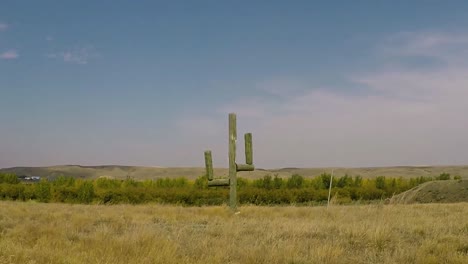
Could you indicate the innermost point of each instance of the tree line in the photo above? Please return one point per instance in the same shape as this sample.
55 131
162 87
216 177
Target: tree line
263 191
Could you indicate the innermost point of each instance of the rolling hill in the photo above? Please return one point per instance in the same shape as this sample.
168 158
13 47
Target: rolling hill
141 173
452 191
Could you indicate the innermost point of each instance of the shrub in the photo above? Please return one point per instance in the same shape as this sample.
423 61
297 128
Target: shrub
11 191
264 183
43 193
344 181
277 182
201 182
85 193
443 176
242 183
64 181
9 178
64 194
380 182
325 177
296 181
106 183
357 181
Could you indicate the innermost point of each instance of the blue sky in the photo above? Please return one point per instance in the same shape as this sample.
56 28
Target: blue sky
318 83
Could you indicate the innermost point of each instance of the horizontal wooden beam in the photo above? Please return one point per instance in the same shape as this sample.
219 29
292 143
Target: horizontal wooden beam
245 167
218 182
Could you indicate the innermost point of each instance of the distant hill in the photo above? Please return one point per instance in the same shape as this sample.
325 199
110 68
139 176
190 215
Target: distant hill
141 173
451 191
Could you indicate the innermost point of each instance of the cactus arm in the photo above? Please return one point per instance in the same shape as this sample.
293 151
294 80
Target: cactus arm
248 149
209 165
245 167
218 182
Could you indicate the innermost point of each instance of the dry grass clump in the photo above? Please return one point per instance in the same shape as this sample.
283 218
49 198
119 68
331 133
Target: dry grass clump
63 233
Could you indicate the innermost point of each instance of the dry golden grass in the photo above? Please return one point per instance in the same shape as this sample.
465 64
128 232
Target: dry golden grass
63 233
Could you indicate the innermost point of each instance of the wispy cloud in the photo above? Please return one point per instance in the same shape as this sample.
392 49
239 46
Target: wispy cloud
9 55
80 55
446 46
407 114
3 26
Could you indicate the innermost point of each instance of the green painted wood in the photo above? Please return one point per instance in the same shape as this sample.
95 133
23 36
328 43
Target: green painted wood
232 162
248 148
209 165
245 167
218 182
233 167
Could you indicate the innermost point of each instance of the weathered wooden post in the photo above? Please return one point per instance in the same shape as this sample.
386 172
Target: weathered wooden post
233 166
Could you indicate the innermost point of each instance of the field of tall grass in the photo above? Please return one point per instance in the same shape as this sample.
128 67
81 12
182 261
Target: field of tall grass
70 233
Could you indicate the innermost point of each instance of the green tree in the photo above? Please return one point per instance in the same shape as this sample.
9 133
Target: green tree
277 182
86 192
357 181
9 178
325 177
64 181
344 181
380 182
443 176
265 183
43 193
106 183
295 182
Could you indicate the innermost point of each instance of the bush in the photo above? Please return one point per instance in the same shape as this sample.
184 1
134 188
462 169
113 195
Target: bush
278 182
85 193
295 182
9 178
64 194
357 181
43 193
64 181
264 183
201 182
443 176
105 183
325 178
11 191
380 182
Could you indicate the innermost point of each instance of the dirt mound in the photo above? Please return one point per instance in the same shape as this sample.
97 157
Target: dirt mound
451 191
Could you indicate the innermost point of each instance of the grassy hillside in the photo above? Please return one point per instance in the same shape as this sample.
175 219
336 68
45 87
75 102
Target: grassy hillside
61 233
122 172
111 171
435 192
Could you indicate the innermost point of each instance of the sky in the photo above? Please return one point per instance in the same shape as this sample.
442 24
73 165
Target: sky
151 83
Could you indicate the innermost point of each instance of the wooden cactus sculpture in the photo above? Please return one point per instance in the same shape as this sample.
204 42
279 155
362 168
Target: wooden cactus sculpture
233 166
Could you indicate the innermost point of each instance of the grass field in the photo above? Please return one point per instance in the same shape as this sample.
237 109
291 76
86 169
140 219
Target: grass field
142 173
63 233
